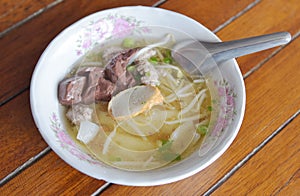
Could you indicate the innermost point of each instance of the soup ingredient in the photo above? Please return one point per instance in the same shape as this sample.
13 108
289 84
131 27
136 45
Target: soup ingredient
87 131
70 90
97 87
94 84
78 113
134 101
140 111
116 72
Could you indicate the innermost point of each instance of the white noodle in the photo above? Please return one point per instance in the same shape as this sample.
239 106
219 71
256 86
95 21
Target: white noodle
191 105
183 120
173 82
200 102
168 66
148 161
159 54
173 97
201 123
108 140
170 98
182 90
199 81
168 105
164 41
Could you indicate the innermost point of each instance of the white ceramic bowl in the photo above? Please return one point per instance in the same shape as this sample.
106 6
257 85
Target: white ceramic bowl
73 42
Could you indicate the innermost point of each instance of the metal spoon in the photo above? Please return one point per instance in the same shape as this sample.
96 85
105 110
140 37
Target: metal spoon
197 57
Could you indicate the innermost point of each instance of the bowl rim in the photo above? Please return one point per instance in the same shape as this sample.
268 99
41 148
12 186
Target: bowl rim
70 162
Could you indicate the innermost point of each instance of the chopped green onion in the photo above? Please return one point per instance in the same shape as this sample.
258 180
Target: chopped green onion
170 156
168 53
202 129
148 74
166 145
178 158
128 43
153 60
118 159
115 159
167 60
209 108
130 68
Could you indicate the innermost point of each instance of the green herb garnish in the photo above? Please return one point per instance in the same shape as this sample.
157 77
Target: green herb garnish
130 68
167 60
128 43
153 60
209 108
166 153
202 129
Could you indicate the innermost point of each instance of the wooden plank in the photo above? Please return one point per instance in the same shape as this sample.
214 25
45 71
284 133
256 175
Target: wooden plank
210 13
31 39
291 185
270 102
276 173
268 17
12 12
51 176
20 140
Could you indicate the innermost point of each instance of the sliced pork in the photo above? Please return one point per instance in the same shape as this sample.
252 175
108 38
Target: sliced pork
70 90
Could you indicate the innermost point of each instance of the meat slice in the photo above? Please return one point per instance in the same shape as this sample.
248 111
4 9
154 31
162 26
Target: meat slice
94 84
70 90
116 72
98 88
104 90
93 73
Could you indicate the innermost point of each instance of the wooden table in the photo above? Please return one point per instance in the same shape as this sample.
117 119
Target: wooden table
264 159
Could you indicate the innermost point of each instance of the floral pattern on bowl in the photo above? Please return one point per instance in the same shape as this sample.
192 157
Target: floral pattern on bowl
111 26
67 143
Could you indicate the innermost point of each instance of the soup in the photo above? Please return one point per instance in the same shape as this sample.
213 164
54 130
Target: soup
133 107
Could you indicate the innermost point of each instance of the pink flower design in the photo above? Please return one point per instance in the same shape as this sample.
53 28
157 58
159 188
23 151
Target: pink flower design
100 29
221 91
78 154
221 122
78 52
122 28
64 138
86 43
67 142
230 100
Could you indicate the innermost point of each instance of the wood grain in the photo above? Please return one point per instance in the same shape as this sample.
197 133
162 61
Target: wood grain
268 17
273 95
210 13
270 175
20 139
291 185
270 102
12 12
51 176
30 39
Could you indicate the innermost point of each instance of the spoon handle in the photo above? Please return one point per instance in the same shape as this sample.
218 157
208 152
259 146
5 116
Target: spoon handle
222 51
